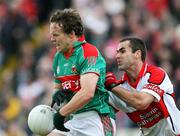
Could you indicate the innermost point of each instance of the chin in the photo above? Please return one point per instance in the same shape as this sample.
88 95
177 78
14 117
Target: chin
120 68
59 51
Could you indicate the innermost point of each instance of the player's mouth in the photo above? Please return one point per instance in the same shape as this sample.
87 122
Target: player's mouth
119 62
57 45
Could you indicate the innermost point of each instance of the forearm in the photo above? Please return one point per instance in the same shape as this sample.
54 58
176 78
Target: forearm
79 100
133 98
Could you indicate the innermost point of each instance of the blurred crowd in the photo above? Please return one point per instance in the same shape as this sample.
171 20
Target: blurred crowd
26 52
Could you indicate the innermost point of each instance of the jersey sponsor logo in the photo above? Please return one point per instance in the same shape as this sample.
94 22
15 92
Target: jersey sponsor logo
96 70
154 88
70 82
147 118
71 85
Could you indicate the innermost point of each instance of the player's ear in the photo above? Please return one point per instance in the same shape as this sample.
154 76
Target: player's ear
72 34
138 54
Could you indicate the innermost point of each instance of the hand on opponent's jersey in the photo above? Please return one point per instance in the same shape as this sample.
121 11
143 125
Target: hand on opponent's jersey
110 81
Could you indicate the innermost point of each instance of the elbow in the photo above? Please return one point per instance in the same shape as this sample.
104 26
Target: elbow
88 96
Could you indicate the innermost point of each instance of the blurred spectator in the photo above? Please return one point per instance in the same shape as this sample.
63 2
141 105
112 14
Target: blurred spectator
14 30
175 61
174 6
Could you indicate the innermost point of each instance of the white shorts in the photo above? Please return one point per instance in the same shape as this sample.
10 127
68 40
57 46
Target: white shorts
86 124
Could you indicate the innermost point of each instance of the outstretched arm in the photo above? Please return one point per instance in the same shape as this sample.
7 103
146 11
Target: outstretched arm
138 100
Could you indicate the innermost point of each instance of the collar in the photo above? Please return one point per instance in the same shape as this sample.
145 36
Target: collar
141 74
81 40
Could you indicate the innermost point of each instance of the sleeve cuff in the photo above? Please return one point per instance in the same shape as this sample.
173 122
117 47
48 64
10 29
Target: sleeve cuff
152 93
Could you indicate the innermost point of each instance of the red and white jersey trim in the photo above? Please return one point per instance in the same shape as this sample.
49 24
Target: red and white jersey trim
152 93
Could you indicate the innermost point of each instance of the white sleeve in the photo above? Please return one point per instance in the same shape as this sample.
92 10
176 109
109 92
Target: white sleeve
156 95
119 104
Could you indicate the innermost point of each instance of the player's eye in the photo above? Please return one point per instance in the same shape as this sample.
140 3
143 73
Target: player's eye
123 51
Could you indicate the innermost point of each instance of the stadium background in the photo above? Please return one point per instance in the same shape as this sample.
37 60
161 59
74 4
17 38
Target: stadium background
26 52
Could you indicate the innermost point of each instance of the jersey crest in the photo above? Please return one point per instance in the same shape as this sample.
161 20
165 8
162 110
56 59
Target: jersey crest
73 69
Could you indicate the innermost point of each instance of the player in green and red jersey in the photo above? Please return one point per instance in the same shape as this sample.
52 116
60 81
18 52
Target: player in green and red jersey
79 75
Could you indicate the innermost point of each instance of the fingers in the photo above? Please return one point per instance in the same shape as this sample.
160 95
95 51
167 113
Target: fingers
52 104
58 121
58 102
66 91
64 129
55 101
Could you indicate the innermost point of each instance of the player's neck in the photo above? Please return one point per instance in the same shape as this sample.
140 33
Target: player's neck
70 48
133 71
68 53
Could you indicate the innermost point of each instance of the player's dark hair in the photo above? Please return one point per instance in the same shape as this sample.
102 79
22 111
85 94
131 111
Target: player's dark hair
69 20
136 44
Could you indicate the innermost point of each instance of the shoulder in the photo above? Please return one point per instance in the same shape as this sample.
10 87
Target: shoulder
89 50
157 74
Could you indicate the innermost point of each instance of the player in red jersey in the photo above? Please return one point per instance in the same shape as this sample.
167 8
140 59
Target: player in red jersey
144 92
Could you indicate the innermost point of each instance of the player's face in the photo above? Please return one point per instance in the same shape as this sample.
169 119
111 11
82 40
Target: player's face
61 40
125 57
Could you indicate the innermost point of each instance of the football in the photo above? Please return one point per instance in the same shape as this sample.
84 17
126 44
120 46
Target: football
40 119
